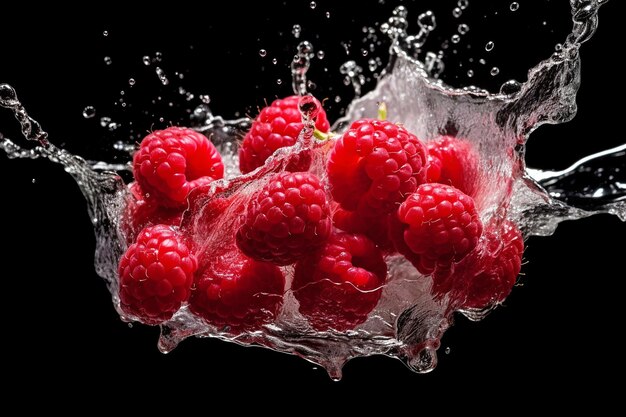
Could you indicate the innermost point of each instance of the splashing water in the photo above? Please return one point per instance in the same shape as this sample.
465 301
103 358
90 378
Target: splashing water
408 322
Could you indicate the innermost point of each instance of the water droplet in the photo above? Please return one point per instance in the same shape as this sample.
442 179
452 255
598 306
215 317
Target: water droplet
463 4
457 12
489 46
131 81
8 96
463 28
558 47
108 60
274 61
320 54
514 6
161 119
205 98
158 56
447 350
337 99
327 15
470 73
279 81
363 52
262 53
372 65
33 180
89 112
309 108
105 33
113 126
162 77
296 30
427 21
312 5
494 71
455 38
510 87
104 121
146 60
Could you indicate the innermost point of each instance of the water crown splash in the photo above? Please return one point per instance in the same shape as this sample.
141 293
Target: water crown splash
408 321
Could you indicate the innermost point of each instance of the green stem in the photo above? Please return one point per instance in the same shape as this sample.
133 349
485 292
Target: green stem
382 111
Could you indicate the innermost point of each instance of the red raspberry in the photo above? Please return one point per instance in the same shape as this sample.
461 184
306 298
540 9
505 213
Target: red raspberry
340 284
440 225
375 228
141 211
374 166
171 162
155 275
498 266
287 219
234 290
277 126
453 162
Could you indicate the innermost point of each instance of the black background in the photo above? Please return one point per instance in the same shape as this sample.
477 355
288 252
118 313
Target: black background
556 338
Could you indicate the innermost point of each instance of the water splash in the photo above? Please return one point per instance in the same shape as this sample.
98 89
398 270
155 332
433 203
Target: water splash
408 322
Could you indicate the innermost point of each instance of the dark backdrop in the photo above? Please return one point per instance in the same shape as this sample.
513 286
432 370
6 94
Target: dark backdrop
60 332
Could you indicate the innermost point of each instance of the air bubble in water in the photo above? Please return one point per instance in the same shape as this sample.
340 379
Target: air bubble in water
296 30
274 61
327 15
494 71
455 38
558 47
105 33
108 60
279 81
158 56
89 112
514 6
470 73
205 98
489 46
113 126
131 81
320 54
457 12
463 4
312 5
463 28
262 53
146 60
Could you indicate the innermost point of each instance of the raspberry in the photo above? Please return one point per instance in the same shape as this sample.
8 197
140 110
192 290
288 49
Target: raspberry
439 224
285 220
338 285
453 162
276 126
141 211
375 228
155 275
234 290
171 162
374 166
498 268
